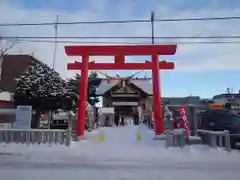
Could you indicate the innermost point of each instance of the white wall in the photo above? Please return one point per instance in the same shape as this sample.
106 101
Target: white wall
220 101
100 104
5 125
6 96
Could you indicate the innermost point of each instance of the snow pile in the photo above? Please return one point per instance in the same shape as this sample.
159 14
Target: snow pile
120 146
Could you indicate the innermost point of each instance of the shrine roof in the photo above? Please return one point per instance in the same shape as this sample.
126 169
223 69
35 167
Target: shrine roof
145 85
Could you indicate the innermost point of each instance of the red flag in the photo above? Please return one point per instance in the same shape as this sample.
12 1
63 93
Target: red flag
183 113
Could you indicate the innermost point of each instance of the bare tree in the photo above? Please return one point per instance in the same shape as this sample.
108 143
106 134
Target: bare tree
3 51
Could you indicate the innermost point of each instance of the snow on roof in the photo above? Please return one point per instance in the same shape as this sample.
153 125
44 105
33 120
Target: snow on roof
145 85
227 95
105 86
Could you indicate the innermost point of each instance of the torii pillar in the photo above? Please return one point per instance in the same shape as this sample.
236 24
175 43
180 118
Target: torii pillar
119 52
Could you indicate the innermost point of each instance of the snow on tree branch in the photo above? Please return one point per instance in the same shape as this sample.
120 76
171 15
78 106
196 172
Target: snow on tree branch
40 84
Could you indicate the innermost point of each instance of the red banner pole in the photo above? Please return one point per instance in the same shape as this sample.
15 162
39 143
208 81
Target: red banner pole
83 96
158 114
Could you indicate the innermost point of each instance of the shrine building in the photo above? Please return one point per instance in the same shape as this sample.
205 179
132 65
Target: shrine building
125 94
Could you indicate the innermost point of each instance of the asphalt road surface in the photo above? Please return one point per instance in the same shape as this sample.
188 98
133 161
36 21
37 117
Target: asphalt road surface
119 171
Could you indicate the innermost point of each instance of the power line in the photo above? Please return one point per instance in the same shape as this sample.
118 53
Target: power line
122 21
122 37
208 42
109 42
76 22
200 19
77 42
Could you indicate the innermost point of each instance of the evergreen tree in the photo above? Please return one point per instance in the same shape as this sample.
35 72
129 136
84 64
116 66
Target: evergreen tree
93 83
43 89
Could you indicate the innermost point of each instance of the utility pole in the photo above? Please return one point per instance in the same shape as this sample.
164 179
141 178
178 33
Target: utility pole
50 115
55 43
152 26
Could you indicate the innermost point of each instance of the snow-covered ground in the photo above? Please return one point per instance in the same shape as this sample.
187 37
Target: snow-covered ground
120 156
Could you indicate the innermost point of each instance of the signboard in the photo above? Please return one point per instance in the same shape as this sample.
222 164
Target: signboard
125 103
125 95
106 110
23 117
5 125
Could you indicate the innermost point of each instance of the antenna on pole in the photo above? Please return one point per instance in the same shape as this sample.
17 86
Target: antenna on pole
55 43
228 90
152 26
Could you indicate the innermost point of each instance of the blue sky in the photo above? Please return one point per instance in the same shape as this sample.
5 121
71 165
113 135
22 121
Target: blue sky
201 69
77 5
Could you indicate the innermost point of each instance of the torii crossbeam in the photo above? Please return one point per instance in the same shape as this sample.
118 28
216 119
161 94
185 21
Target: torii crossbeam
119 52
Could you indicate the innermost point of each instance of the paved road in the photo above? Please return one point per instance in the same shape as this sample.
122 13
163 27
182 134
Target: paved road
119 171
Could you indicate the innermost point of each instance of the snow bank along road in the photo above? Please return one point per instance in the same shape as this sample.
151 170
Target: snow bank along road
120 157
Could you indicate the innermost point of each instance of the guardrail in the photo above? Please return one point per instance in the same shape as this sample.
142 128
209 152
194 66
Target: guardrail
35 136
175 138
215 138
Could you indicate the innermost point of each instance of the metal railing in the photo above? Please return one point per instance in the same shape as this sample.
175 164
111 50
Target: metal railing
215 138
175 138
35 136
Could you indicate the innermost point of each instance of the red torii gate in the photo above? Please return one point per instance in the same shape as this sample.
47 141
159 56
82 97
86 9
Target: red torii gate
119 52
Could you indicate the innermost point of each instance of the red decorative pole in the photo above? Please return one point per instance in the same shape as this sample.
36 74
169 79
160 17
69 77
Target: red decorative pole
158 115
83 96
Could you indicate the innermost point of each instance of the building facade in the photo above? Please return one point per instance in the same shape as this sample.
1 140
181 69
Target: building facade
12 66
231 98
126 95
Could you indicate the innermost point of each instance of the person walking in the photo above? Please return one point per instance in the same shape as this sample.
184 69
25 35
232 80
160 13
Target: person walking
135 117
117 119
122 120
